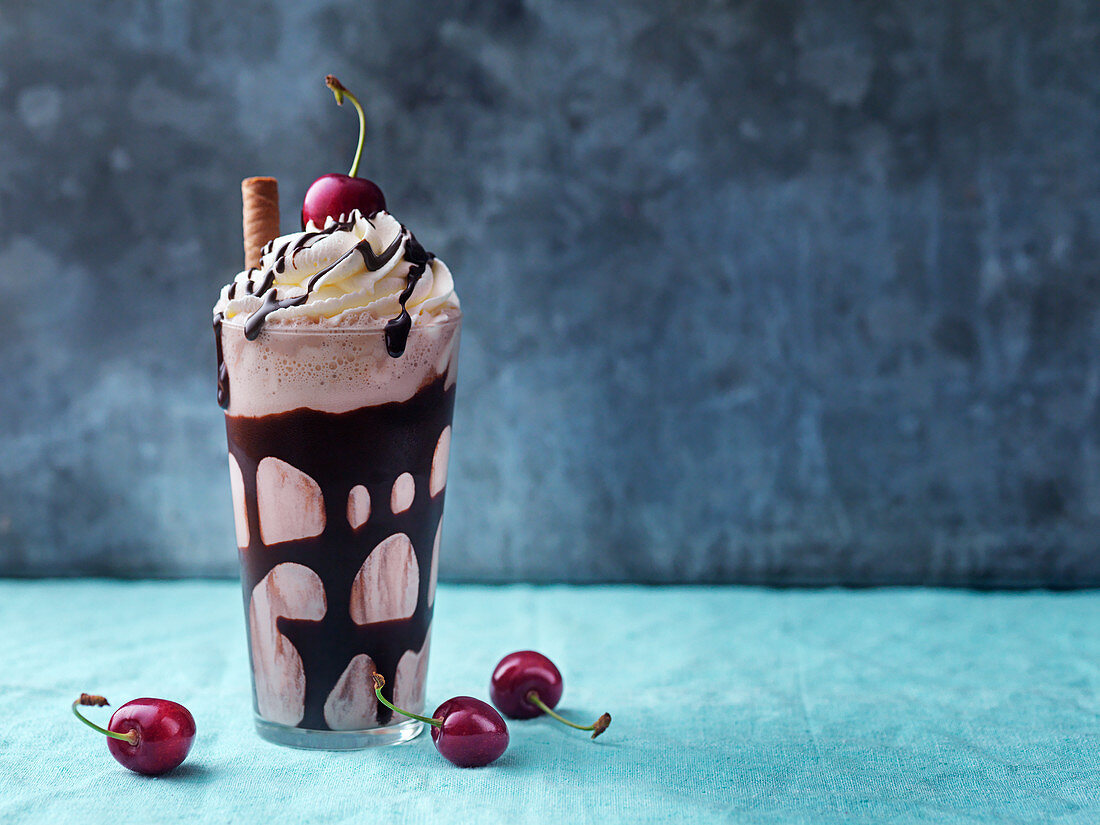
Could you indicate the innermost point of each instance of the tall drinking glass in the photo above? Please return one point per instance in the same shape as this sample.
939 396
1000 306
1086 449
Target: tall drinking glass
338 466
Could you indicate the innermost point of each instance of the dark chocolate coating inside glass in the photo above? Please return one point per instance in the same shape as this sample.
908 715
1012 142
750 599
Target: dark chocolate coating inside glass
371 446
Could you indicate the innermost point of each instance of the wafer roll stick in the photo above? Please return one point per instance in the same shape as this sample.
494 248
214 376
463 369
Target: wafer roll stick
260 198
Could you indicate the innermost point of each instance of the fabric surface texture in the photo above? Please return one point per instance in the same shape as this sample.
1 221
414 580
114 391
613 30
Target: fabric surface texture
729 704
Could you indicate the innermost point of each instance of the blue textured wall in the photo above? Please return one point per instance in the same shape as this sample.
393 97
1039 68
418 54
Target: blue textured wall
755 291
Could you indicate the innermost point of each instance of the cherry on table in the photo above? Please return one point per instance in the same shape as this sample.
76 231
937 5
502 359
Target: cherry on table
466 731
334 195
526 684
148 736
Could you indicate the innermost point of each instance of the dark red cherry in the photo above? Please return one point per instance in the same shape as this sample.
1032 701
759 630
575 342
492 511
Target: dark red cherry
516 676
471 733
335 195
466 731
149 736
527 684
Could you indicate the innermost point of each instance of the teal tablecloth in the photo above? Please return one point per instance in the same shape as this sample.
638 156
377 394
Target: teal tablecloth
730 705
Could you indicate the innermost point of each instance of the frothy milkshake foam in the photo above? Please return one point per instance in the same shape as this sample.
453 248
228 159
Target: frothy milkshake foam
333 369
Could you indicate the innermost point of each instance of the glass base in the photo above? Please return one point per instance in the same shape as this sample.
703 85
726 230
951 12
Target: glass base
338 740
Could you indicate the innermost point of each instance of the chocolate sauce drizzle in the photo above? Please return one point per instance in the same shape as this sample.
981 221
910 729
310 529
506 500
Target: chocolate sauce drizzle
396 330
271 302
223 371
371 446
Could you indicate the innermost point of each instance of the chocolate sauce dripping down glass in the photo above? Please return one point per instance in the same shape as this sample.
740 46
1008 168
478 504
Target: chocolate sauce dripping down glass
397 329
223 372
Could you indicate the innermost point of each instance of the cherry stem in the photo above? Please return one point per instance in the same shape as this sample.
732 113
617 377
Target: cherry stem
88 699
597 727
340 91
379 683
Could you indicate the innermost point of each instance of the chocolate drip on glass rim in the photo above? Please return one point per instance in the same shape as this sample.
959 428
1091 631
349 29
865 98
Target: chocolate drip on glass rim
397 329
223 371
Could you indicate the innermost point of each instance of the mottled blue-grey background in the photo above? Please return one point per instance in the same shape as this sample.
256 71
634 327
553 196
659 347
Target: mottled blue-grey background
764 291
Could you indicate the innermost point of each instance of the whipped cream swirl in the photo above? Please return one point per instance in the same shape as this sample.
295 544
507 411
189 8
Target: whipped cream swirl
349 272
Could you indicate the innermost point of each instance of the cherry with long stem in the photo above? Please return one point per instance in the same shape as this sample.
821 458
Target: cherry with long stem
148 736
466 731
91 700
526 684
379 683
340 91
597 727
337 196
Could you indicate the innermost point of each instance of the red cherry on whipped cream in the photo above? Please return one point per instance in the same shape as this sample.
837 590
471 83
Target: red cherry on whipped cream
336 195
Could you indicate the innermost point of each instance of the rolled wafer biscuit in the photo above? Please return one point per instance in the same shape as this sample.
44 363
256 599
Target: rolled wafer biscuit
260 199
